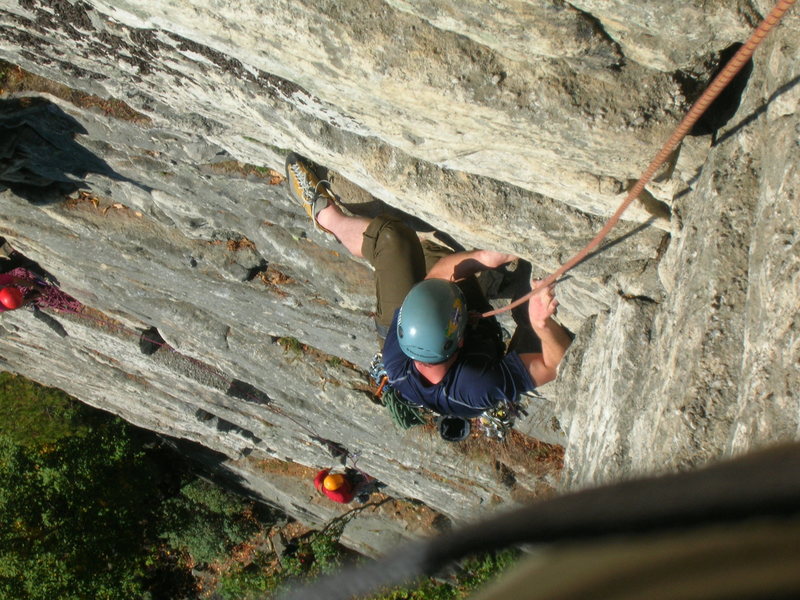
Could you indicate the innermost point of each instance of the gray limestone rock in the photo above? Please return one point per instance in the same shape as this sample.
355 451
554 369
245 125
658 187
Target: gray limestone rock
503 125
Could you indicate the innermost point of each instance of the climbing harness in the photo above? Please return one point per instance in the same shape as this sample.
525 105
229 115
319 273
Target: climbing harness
708 96
495 423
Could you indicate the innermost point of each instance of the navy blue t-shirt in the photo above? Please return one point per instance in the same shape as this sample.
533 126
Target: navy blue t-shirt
477 380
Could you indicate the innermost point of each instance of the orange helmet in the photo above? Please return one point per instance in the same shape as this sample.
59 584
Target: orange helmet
333 482
11 298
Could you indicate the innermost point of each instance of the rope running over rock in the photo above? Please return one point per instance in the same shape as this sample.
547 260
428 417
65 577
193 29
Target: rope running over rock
695 112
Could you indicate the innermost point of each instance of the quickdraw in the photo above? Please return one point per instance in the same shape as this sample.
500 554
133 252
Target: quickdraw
377 372
499 420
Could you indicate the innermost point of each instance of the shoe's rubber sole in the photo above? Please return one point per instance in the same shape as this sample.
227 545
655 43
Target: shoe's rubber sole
314 195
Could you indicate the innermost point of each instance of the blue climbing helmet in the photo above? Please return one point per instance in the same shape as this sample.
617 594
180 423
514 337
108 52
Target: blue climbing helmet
432 320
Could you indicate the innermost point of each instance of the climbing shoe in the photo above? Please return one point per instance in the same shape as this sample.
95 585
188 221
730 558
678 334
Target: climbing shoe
307 188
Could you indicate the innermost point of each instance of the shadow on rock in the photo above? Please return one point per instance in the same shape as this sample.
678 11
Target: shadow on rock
39 154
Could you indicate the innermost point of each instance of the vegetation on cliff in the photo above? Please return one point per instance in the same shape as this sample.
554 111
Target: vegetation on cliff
92 507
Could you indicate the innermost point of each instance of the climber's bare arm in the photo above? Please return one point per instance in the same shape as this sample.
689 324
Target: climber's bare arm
543 366
460 265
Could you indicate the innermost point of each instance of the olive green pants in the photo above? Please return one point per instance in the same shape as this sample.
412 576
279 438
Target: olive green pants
401 261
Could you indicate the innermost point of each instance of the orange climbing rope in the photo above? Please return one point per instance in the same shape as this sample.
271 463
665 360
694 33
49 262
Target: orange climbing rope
697 109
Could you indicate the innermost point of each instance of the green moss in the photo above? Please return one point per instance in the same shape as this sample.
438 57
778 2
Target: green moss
277 150
292 345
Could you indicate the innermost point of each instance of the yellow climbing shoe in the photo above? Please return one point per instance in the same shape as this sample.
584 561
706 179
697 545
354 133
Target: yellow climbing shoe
305 187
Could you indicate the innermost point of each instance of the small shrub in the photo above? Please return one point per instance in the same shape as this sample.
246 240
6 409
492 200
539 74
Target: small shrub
483 569
327 552
475 573
247 584
290 344
206 521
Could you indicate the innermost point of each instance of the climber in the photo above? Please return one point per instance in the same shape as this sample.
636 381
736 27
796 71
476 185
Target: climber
343 487
434 357
25 279
14 283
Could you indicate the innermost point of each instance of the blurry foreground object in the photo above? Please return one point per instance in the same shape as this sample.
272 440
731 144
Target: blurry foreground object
758 558
731 530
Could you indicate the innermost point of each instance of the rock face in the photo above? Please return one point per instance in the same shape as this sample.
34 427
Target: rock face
508 125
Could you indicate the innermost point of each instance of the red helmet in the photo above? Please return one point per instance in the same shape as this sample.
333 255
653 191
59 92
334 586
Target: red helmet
11 298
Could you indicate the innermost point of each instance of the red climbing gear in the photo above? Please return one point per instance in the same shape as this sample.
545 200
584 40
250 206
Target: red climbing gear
11 298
